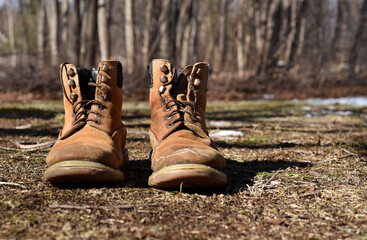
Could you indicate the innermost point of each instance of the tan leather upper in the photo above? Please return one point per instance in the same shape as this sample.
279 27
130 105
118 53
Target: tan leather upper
176 141
101 136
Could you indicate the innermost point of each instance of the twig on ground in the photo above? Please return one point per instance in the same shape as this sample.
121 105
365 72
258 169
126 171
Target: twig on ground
180 188
12 184
35 146
9 149
349 153
29 148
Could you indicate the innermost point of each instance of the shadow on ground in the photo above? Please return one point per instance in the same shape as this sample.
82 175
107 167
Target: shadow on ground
53 132
15 113
239 175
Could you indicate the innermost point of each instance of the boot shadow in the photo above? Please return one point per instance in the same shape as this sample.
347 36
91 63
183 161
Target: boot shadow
240 175
137 174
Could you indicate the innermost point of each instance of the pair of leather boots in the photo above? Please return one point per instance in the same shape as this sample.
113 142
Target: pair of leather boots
91 145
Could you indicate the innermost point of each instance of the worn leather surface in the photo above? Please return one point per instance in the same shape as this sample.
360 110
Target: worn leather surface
100 140
185 141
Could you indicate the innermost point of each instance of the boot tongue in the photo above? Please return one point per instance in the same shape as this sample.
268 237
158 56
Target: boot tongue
86 76
180 83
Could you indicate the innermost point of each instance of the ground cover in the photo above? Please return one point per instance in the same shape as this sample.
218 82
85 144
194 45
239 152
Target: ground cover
295 171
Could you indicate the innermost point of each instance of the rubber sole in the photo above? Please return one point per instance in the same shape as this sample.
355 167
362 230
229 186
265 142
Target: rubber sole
189 175
76 171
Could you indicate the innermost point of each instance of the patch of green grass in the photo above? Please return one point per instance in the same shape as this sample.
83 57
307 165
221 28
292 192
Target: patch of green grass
37 159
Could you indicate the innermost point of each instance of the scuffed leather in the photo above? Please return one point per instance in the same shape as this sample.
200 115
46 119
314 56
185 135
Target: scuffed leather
88 141
186 141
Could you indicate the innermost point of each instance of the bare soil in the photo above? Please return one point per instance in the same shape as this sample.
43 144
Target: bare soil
290 177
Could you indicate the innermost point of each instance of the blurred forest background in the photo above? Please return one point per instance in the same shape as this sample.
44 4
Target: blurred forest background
256 48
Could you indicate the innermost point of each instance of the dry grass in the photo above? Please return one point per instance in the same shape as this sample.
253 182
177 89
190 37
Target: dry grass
290 177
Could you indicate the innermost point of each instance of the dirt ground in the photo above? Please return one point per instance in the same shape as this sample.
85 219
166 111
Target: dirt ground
298 172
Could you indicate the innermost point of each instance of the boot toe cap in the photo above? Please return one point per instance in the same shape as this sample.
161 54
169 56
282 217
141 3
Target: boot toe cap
93 152
181 154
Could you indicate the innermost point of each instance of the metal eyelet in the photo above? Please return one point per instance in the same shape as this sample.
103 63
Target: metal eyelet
105 68
164 69
71 83
70 72
97 122
74 96
163 79
169 125
104 79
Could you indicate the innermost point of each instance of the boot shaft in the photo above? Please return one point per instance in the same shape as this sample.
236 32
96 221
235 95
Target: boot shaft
177 98
92 97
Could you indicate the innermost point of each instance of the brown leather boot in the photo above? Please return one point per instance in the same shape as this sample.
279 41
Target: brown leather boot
90 147
182 152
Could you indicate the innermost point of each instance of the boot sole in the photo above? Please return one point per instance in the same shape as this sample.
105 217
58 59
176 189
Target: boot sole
77 171
189 175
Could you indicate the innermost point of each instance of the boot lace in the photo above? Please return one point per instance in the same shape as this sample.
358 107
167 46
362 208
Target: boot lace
188 106
82 108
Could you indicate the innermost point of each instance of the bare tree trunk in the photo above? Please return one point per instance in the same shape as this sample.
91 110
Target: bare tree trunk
193 46
272 37
164 43
129 35
84 29
103 33
272 54
41 23
25 35
75 53
208 43
222 32
261 17
357 41
292 33
147 32
297 42
64 24
91 34
182 22
248 33
53 16
338 25
239 38
11 33
185 28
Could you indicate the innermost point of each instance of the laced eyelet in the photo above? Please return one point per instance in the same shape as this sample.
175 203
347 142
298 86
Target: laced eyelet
167 109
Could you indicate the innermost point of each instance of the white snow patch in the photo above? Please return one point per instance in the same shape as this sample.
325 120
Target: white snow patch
324 112
359 101
226 134
220 123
